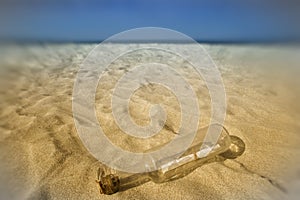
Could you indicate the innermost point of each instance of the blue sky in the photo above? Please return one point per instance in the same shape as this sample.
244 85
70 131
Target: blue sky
205 20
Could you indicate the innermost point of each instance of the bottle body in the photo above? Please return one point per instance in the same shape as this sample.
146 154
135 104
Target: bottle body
227 147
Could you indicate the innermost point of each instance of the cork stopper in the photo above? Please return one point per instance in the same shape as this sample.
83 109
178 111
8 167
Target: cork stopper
109 184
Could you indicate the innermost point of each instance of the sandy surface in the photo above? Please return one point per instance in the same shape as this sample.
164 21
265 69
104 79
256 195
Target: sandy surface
42 157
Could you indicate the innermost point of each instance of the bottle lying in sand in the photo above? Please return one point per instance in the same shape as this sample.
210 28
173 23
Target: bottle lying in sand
227 147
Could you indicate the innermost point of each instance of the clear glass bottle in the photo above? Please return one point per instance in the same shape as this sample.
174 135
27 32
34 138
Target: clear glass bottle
227 147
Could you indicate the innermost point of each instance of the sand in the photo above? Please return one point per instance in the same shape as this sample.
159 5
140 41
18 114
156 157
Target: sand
42 157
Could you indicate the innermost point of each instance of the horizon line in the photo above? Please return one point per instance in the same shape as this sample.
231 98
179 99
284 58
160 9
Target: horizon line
244 41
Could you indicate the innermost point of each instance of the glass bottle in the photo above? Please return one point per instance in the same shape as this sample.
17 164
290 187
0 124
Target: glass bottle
227 147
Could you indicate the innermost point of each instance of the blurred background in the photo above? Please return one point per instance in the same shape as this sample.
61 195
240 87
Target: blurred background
203 20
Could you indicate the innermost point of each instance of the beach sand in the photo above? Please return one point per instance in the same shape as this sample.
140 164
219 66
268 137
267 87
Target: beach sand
42 157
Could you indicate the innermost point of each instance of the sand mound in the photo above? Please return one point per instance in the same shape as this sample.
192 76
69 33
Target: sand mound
42 157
